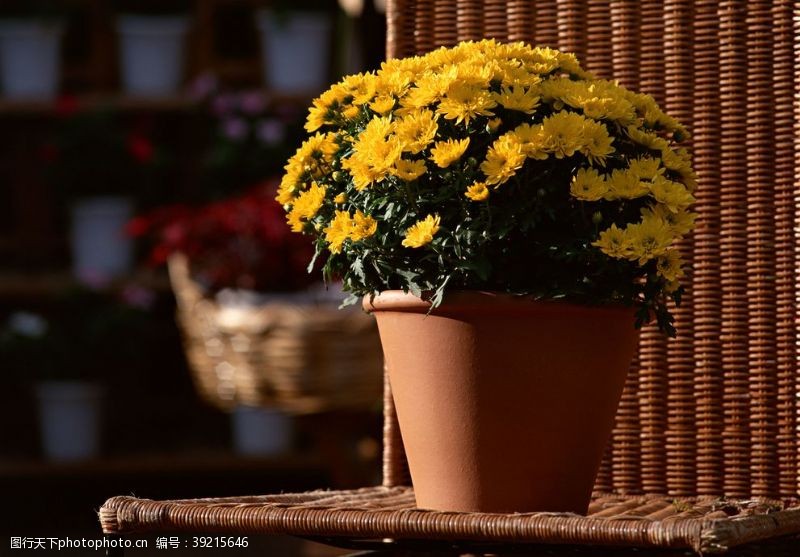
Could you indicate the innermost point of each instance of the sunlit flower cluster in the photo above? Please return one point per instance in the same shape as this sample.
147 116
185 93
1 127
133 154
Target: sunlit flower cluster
431 159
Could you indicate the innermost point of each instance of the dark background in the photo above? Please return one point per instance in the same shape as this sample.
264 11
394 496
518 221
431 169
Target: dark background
159 439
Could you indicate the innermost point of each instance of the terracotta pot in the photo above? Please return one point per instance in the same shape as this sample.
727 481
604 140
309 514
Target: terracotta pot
505 404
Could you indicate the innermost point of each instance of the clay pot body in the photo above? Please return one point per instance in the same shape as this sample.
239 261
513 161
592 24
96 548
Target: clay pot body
504 404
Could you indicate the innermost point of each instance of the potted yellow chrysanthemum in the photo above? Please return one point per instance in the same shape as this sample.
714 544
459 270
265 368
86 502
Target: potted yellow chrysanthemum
508 218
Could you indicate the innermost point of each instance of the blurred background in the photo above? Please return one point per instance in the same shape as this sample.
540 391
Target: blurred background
159 332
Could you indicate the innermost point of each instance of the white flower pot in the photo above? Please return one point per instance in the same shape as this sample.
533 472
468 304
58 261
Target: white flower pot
101 250
295 50
152 53
69 418
261 431
30 58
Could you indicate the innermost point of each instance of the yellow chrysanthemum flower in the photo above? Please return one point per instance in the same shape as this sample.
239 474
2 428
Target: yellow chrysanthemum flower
588 185
503 159
517 98
363 227
422 232
649 239
533 140
291 182
477 191
408 170
393 83
315 154
681 222
645 168
625 184
341 198
361 87
383 104
317 117
306 206
345 227
447 152
672 195
351 112
493 124
614 242
338 231
374 153
669 265
647 139
416 130
563 133
596 142
465 102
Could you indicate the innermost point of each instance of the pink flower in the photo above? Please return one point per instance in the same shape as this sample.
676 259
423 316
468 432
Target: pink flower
252 102
223 104
234 129
138 297
203 86
140 148
271 131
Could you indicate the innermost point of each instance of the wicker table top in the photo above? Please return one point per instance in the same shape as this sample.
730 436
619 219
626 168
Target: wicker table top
703 524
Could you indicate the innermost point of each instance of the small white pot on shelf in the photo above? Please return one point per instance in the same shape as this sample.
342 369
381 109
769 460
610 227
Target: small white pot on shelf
69 419
101 250
152 53
30 58
295 50
261 431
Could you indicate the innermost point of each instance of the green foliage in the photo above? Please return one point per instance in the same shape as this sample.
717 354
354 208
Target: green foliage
497 202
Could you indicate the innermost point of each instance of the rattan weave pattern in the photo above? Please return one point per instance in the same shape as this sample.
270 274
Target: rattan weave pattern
715 411
706 279
545 23
783 75
626 439
299 357
760 253
704 525
733 245
680 436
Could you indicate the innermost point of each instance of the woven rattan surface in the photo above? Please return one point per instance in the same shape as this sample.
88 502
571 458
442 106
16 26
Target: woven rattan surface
714 411
296 357
704 524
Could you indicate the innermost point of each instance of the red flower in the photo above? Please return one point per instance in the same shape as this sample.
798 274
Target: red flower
138 226
236 242
66 106
140 148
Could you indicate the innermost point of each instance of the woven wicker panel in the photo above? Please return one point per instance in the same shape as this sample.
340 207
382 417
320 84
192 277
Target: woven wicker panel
708 376
626 449
714 411
680 405
733 246
761 251
296 357
707 524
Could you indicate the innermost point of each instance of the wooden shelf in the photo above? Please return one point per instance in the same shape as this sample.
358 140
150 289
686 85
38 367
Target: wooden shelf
162 464
175 103
46 284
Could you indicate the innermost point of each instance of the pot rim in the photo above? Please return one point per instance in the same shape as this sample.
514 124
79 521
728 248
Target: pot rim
481 300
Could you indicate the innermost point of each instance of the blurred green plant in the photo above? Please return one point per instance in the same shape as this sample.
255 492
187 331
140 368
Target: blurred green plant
87 335
95 152
251 135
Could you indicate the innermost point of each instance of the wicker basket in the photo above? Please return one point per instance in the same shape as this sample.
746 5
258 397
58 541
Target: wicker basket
299 358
